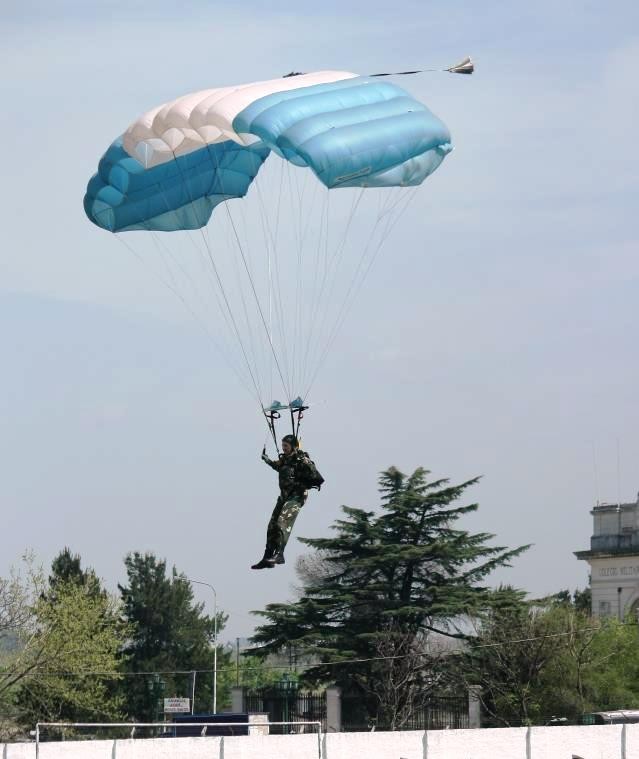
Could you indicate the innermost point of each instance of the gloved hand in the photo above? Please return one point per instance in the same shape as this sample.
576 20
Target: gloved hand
264 456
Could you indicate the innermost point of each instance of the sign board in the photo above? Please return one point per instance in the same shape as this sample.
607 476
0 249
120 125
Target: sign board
177 705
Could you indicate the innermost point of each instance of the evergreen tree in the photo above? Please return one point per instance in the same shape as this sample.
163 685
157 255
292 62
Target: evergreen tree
66 568
170 633
387 581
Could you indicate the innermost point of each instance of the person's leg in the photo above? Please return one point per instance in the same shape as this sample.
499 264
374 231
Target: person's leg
272 538
285 521
273 531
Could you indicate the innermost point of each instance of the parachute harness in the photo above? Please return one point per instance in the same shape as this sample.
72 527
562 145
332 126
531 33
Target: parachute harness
296 409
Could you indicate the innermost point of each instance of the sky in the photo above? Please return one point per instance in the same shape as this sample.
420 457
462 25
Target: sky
496 334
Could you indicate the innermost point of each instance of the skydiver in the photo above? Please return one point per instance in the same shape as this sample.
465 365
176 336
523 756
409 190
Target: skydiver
297 473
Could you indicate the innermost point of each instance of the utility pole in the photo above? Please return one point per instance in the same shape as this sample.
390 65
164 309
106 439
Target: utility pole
208 585
237 661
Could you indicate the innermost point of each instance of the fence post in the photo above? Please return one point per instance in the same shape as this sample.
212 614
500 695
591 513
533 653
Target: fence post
237 699
474 706
333 709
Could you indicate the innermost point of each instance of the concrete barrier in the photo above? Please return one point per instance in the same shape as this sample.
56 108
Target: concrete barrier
488 743
407 745
593 742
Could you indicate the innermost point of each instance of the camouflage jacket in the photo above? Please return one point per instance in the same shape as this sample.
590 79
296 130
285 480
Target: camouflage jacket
293 471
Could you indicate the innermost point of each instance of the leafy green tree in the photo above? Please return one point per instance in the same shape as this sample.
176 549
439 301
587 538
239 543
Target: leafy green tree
76 631
535 659
520 658
169 634
612 679
20 653
253 673
384 582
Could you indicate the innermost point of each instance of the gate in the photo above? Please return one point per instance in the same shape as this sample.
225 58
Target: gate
438 713
286 704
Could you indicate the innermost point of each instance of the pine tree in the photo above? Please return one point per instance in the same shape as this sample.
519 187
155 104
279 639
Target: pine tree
170 633
388 580
66 568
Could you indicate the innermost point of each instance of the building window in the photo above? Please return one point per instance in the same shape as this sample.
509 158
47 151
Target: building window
604 608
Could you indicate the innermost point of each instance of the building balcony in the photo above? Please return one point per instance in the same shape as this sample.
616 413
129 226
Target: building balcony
624 543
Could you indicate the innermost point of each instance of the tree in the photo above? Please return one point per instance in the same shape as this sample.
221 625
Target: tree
517 643
66 569
254 673
169 634
385 581
535 659
50 632
78 631
611 680
20 653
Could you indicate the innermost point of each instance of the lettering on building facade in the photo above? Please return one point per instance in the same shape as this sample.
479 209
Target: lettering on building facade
628 571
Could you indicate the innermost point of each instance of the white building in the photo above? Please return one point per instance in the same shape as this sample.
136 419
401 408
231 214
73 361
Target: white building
614 559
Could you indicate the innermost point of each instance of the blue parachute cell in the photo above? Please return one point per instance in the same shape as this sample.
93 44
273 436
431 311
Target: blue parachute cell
176 163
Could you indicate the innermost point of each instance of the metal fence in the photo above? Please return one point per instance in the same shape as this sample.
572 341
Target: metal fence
438 713
287 706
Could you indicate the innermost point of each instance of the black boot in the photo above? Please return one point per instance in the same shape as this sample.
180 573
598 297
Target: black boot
267 561
278 558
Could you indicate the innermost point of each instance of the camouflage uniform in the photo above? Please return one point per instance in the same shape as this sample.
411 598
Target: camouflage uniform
293 495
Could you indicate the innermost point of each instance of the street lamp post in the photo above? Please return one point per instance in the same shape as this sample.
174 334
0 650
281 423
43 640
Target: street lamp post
208 585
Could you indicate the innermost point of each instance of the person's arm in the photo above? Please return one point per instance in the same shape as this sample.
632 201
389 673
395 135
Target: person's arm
273 464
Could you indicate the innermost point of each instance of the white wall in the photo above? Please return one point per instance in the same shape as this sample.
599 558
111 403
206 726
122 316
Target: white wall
596 742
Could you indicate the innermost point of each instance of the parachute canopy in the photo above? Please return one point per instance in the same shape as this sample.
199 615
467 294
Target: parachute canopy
178 161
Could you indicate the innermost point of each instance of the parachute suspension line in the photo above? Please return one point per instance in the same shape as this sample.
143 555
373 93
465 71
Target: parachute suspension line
257 300
303 305
280 312
253 375
255 295
160 245
289 305
189 309
389 228
276 289
318 292
168 269
323 346
323 229
333 267
275 242
233 320
221 286
348 302
202 256
193 314
249 327
269 275
297 197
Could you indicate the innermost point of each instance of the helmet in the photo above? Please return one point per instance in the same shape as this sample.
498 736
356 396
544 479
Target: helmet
291 440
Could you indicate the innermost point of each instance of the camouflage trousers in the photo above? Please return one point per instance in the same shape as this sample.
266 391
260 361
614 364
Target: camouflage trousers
282 520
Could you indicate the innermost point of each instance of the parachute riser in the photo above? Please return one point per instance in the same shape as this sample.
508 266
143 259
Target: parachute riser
297 414
271 417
